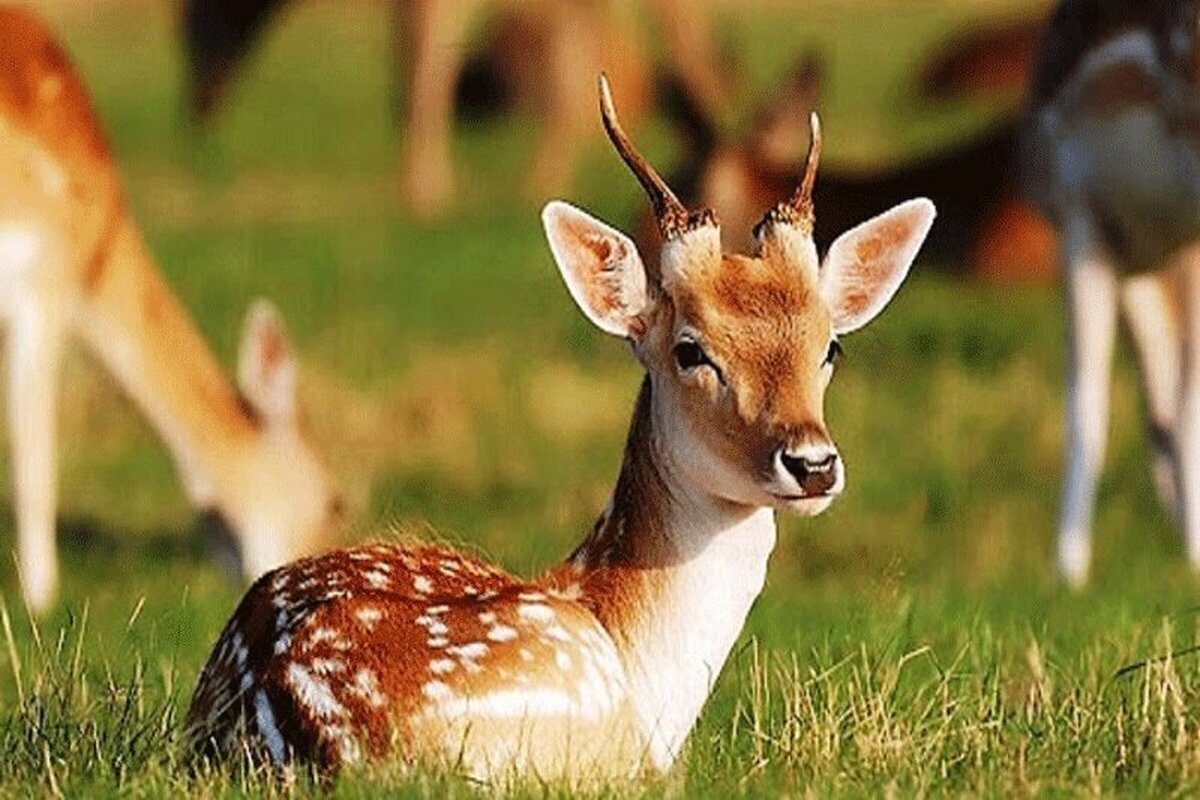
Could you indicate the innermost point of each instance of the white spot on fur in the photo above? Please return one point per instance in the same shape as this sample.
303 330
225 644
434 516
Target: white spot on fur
442 666
433 625
468 655
328 666
488 618
558 633
314 693
366 686
437 641
321 635
502 633
422 584
535 612
474 650
376 579
368 616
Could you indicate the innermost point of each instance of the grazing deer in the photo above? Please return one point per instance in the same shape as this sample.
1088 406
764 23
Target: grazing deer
602 665
72 263
984 227
1113 158
577 37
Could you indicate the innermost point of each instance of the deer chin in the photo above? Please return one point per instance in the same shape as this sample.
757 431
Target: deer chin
805 506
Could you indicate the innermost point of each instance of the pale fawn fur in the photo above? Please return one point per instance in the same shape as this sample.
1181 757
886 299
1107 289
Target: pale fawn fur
73 265
600 667
1113 158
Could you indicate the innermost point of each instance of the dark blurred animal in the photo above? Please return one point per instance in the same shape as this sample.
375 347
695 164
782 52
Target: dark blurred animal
983 226
994 59
1111 151
569 42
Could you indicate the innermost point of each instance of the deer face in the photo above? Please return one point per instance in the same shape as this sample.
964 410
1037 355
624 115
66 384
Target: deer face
739 349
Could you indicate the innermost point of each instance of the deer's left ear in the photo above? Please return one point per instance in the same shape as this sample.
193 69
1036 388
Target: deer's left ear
267 366
601 267
867 264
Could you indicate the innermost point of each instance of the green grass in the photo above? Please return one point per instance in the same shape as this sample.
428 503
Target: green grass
910 641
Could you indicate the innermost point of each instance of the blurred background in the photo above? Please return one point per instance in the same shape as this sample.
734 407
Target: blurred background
455 388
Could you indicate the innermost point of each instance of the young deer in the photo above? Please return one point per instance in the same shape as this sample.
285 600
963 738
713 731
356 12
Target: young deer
602 665
1113 158
72 263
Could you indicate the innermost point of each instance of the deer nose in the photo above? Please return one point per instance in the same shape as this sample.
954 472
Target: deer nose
815 470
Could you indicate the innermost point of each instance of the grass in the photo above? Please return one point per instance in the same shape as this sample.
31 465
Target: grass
911 641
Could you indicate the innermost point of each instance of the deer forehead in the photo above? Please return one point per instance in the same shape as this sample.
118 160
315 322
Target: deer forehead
755 310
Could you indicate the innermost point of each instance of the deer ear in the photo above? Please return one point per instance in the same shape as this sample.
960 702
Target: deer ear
267 365
601 267
867 264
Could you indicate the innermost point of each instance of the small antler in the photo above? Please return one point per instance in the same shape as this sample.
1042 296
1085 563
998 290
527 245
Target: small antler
673 217
798 209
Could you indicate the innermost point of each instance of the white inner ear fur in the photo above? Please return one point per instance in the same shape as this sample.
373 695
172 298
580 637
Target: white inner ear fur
266 365
600 265
867 264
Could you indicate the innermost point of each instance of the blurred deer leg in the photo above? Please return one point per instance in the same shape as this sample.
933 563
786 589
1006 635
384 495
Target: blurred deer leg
1188 429
34 354
1091 296
434 34
570 102
1151 312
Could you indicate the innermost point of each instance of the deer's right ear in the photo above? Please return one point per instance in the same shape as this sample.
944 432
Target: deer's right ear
601 267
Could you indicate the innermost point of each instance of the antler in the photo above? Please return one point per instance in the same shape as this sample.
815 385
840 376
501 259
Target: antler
673 217
798 209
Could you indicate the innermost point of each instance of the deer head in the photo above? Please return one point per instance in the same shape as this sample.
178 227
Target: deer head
739 348
278 498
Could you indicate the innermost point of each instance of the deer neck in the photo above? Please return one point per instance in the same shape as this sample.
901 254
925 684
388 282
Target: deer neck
671 573
141 333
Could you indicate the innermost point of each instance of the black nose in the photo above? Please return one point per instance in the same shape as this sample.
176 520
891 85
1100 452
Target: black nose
816 475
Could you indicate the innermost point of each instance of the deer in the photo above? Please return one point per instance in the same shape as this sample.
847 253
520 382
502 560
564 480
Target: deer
986 228
1112 158
74 266
577 37
601 666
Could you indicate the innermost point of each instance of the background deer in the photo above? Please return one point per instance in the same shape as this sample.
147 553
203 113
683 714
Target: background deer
574 40
1113 158
73 264
985 227
601 665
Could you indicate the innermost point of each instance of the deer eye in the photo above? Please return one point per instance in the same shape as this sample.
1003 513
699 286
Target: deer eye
835 352
689 355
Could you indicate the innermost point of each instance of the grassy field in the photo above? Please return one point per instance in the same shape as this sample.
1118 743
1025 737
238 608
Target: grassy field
911 641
